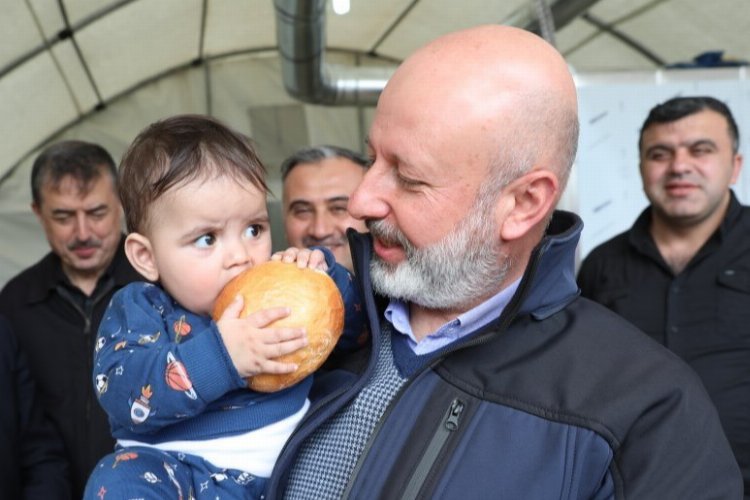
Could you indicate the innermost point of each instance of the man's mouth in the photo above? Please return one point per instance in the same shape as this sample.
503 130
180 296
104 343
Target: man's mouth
679 188
388 251
85 249
388 243
329 243
84 252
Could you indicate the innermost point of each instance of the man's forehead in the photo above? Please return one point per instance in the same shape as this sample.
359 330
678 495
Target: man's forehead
704 125
705 119
72 188
303 201
329 171
70 181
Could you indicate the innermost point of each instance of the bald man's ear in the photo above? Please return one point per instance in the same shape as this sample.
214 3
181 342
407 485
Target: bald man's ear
141 256
530 198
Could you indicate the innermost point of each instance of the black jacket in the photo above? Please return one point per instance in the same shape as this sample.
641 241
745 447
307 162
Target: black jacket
58 336
32 463
702 314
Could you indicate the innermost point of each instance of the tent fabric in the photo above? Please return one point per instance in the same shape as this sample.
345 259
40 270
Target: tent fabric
100 70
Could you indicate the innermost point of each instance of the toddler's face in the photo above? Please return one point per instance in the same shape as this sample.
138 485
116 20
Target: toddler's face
205 233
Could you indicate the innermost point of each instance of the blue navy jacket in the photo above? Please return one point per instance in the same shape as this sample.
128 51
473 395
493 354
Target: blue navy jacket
163 373
556 398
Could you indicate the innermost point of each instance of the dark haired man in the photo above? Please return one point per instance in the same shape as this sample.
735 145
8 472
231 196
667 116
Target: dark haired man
55 306
317 184
682 272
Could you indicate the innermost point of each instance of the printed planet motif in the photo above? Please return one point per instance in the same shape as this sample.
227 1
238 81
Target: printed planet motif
181 329
177 377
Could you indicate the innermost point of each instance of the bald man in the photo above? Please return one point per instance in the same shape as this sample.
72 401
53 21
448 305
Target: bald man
488 376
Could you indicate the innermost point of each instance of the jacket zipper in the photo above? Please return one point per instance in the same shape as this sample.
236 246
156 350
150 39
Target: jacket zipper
505 318
447 427
87 316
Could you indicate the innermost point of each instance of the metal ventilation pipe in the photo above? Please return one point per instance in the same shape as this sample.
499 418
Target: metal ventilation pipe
563 12
300 30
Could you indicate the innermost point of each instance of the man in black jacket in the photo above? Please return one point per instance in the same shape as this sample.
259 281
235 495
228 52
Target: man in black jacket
55 306
682 272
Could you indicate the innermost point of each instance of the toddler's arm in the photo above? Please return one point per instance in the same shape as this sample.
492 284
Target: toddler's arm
252 346
154 367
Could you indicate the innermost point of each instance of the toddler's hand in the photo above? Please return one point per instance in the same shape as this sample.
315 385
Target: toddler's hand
252 345
304 257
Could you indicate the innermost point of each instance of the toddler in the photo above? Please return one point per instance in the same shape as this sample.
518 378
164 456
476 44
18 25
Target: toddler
194 196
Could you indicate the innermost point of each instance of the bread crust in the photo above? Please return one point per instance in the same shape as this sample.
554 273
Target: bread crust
315 303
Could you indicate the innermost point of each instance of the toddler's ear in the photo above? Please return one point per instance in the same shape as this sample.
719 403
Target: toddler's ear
141 256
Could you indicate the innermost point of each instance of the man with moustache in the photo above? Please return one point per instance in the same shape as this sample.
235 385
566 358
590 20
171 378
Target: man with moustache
682 272
317 184
55 305
489 377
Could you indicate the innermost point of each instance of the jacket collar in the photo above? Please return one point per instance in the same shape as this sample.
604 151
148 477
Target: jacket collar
640 235
550 278
48 273
548 284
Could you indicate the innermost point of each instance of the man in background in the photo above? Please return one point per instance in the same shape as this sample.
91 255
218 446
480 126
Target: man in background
55 306
317 183
682 272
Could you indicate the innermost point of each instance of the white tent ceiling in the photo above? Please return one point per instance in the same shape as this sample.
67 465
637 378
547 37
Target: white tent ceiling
102 69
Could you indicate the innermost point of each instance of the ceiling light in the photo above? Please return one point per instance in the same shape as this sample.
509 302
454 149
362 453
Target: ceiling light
340 7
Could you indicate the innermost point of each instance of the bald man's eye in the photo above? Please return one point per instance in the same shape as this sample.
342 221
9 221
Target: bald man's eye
408 183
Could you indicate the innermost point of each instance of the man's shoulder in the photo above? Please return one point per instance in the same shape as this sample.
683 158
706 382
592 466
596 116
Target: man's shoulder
605 334
20 284
614 247
585 364
742 221
611 347
139 293
604 259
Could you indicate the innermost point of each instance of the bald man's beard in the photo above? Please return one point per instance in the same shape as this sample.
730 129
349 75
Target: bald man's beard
464 266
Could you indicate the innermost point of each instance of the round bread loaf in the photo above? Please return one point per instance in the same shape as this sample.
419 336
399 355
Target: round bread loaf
315 303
